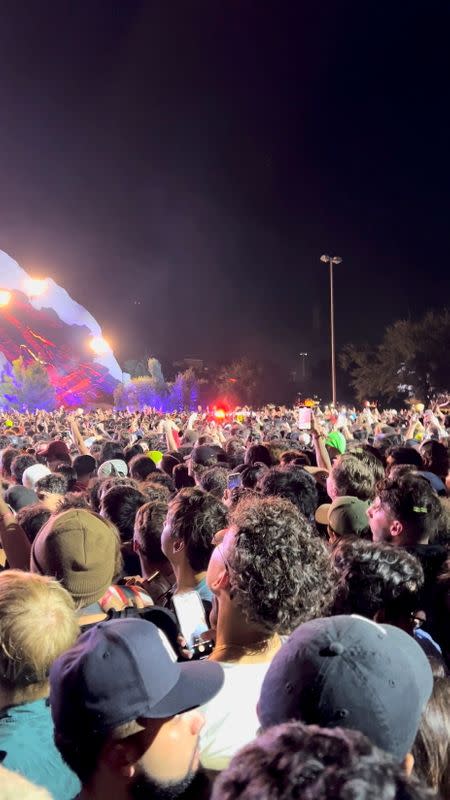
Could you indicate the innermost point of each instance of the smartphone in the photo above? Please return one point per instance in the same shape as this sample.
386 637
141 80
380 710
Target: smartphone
192 621
234 480
304 419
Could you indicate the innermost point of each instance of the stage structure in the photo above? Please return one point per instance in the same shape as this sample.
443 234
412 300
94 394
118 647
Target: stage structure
40 322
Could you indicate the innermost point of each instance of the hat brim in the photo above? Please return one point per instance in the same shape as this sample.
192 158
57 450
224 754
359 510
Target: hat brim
321 515
198 683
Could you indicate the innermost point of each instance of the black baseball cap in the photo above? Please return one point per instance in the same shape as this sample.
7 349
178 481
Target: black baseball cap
350 672
204 455
122 670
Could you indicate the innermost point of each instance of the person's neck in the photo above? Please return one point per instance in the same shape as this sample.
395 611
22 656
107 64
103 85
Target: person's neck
148 568
185 577
239 640
412 541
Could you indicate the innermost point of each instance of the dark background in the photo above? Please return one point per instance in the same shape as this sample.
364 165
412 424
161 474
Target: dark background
198 156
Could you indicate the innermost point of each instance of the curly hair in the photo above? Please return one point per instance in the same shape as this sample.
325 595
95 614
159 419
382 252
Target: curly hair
292 483
431 748
405 455
214 480
299 761
55 483
19 464
374 577
353 476
196 517
280 571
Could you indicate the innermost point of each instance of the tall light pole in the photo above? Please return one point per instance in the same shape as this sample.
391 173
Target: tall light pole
331 260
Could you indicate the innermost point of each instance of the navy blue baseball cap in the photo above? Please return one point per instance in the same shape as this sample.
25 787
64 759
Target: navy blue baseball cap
350 672
123 670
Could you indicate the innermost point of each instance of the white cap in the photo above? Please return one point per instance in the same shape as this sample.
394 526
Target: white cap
34 474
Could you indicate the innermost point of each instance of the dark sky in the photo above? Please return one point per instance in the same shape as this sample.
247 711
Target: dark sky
200 155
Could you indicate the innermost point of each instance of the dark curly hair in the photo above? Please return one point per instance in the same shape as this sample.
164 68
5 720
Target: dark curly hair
7 457
214 480
258 452
292 483
376 577
280 571
300 761
19 464
55 483
196 517
353 476
405 455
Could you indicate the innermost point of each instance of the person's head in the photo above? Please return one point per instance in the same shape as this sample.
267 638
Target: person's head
120 505
69 474
300 762
19 464
201 458
33 474
372 458
168 464
7 457
351 476
435 458
292 483
79 549
214 481
148 528
124 710
350 672
141 467
345 517
132 451
181 477
269 568
403 455
405 511
111 451
51 490
431 749
32 518
235 451
192 520
85 467
251 474
378 581
37 623
56 452
258 453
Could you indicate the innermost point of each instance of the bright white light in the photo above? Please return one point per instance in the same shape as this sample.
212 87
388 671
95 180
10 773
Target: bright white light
35 287
5 297
99 345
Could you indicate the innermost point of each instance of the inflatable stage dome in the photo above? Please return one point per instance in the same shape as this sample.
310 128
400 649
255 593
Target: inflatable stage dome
39 321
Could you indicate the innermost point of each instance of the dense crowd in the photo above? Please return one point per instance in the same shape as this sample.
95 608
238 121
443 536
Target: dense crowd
252 605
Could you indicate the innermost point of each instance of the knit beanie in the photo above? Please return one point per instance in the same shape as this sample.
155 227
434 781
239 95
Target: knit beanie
78 548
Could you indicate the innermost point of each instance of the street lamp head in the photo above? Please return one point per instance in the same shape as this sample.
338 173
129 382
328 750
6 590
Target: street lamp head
325 259
336 259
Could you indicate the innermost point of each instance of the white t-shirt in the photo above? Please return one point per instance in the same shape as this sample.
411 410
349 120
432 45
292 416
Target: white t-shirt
231 719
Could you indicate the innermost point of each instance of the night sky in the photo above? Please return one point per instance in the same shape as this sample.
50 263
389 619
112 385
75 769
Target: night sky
200 155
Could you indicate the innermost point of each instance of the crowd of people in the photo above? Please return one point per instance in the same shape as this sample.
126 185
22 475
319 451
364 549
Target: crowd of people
252 605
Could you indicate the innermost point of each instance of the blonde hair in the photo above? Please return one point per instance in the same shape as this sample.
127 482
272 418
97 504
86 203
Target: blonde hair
14 786
37 624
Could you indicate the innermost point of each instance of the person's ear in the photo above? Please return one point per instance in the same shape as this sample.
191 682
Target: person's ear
221 581
178 545
120 759
380 616
396 528
408 764
136 546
